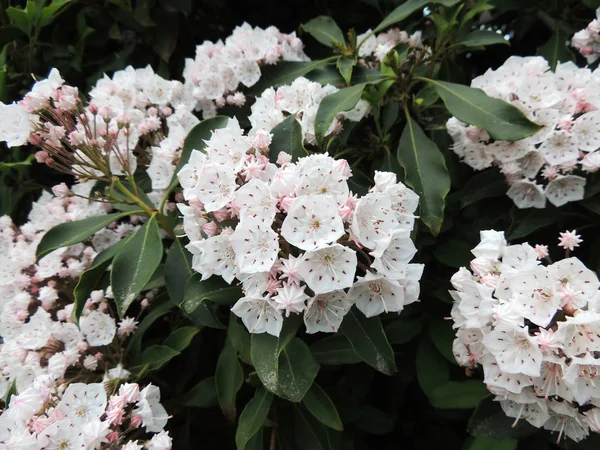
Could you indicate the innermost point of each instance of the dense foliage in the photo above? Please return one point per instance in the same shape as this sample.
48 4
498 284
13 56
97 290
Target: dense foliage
313 224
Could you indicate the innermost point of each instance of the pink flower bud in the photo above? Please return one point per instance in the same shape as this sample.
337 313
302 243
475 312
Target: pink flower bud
152 111
342 166
103 306
41 157
222 214
113 437
136 421
210 229
166 111
286 203
179 197
262 139
283 158
145 303
61 190
105 113
345 213
93 108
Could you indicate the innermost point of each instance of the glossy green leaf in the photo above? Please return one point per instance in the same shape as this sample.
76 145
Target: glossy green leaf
403 329
71 233
160 306
458 394
86 284
318 403
310 433
202 395
288 138
333 104
215 290
425 171
195 141
481 38
432 368
134 265
556 49
181 338
285 72
406 9
501 120
442 336
345 66
229 378
369 341
178 270
489 420
253 417
325 30
239 338
487 184
153 358
334 350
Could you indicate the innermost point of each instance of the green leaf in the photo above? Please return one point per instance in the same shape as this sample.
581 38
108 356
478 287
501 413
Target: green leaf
425 171
181 338
195 141
134 265
334 350
345 66
71 233
442 335
157 280
432 369
403 329
20 18
215 290
285 72
555 50
481 38
489 420
310 433
369 341
288 137
178 270
109 253
86 284
239 338
158 308
325 30
52 11
526 222
454 253
484 185
489 443
459 394
202 395
253 417
342 100
229 378
501 120
153 358
322 408
406 9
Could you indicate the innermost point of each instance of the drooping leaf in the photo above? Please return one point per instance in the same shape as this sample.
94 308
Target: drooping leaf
325 30
318 403
425 171
310 433
501 120
229 378
406 9
72 233
369 341
288 138
153 358
481 38
181 338
195 141
86 284
134 265
178 270
334 350
253 417
342 100
239 338
202 395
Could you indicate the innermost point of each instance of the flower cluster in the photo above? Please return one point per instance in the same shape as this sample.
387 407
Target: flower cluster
302 99
214 75
535 330
82 416
552 163
587 41
295 236
377 47
135 116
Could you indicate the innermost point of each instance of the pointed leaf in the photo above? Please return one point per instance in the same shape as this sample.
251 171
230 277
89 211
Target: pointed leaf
153 358
425 171
229 378
285 72
501 120
158 308
406 9
71 233
322 408
288 137
334 350
489 420
181 338
214 290
369 341
325 30
345 66
203 395
253 417
342 100
134 265
556 49
480 38
297 371
178 270
86 284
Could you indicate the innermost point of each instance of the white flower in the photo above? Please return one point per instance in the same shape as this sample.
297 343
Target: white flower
16 124
259 314
117 373
256 247
564 189
515 350
214 256
394 260
329 268
160 441
94 434
127 326
312 221
90 362
569 240
291 299
527 194
215 186
374 294
255 202
325 312
373 222
98 328
62 434
153 414
587 130
83 402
